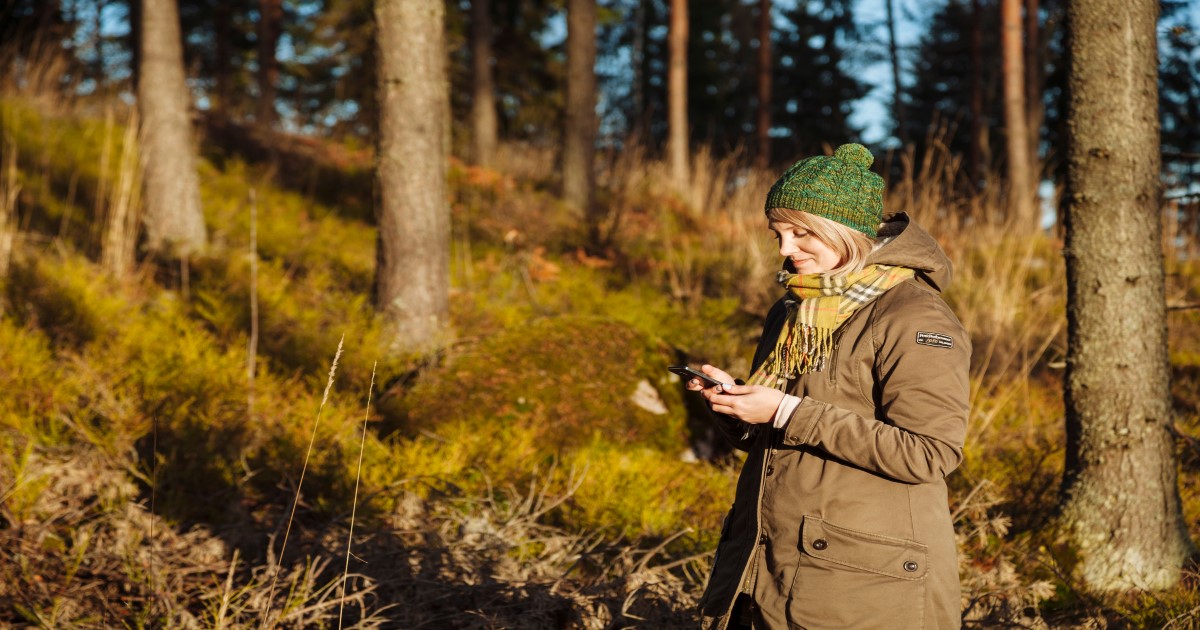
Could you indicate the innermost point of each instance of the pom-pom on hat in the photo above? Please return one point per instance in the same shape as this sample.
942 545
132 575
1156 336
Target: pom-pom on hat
840 187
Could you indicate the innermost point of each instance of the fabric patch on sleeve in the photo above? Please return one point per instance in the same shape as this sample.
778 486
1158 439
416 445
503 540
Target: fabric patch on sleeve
937 340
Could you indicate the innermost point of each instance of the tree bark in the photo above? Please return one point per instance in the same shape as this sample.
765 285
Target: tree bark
270 25
763 157
223 31
1020 184
135 43
977 149
677 140
579 138
641 117
1034 108
1121 507
173 217
413 250
483 92
897 88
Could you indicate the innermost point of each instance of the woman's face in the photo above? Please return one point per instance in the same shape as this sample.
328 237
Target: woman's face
808 253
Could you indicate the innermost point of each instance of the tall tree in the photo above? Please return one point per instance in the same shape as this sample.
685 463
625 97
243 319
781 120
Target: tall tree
579 138
223 34
483 87
814 89
677 118
173 217
1121 507
1035 110
978 140
897 92
413 252
270 25
1020 184
763 126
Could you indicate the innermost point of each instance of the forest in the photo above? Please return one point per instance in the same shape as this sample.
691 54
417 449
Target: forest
357 314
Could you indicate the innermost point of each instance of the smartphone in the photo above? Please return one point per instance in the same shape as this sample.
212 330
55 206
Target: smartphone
687 374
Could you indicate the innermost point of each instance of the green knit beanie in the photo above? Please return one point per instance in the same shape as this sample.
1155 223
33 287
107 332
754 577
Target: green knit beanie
840 188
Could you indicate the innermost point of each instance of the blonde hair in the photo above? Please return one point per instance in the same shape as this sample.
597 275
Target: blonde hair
851 246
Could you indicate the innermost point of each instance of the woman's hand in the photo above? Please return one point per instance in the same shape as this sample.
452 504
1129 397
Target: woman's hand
696 385
755 404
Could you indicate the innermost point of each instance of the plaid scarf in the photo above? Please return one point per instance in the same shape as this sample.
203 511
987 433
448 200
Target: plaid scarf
822 304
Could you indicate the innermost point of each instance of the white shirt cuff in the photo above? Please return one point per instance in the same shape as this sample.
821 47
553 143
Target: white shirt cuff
784 412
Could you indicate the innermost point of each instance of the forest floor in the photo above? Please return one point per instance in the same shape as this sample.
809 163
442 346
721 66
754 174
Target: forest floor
170 459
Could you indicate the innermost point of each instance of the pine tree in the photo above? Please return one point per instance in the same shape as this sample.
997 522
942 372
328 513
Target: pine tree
483 86
814 86
413 252
1121 507
579 137
173 217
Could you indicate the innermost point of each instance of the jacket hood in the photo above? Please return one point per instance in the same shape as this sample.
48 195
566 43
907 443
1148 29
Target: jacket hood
907 244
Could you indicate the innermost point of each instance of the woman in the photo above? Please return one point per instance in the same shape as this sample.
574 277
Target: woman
853 415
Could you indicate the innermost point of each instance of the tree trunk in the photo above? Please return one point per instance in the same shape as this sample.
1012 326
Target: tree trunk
677 140
270 25
897 90
1121 508
1020 186
1034 108
173 216
223 30
483 93
763 157
579 138
135 43
978 138
412 276
638 66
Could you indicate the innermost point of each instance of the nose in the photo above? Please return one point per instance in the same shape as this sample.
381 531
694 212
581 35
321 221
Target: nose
786 247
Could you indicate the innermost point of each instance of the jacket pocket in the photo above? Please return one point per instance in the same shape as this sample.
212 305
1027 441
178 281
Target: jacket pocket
847 578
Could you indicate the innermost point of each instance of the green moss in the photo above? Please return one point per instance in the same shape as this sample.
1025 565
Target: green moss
570 379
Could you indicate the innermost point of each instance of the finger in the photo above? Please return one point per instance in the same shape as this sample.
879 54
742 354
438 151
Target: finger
723 400
717 373
725 409
737 390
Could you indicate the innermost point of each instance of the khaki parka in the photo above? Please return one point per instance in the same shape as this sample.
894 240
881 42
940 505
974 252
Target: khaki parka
841 518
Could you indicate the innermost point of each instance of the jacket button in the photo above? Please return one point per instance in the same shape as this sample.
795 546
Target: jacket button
762 540
820 544
910 566
770 469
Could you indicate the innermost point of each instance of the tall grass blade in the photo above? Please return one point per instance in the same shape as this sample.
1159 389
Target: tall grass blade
354 502
252 344
299 485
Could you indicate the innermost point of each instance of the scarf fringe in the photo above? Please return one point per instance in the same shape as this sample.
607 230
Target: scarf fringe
806 340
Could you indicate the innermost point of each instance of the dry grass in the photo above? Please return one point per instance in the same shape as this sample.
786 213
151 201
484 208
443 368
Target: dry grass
76 553
120 206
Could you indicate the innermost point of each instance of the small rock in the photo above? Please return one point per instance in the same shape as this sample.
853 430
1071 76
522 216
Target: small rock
646 397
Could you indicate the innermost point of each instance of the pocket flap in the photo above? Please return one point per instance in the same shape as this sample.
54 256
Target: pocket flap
894 557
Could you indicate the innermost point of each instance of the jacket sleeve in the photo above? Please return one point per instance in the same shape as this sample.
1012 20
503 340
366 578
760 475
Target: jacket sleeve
922 396
740 434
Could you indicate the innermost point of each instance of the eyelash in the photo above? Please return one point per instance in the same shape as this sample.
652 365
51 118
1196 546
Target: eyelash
795 234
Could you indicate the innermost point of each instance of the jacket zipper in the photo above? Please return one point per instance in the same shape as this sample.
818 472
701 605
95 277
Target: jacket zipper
833 355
